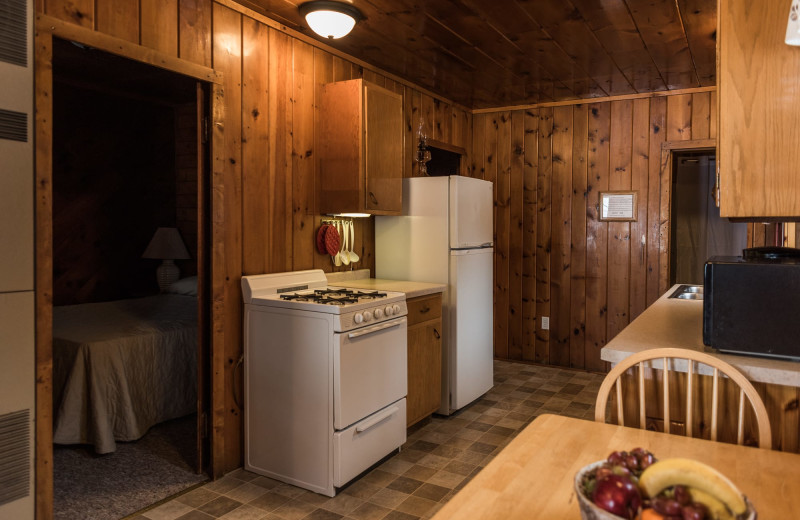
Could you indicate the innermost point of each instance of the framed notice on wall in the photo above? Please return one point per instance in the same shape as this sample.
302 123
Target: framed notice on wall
618 205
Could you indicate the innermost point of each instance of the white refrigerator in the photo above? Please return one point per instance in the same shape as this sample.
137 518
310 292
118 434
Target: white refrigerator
446 236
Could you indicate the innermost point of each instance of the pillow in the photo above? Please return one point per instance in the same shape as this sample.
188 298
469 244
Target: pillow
186 286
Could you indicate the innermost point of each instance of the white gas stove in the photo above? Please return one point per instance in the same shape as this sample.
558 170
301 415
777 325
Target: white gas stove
325 378
309 291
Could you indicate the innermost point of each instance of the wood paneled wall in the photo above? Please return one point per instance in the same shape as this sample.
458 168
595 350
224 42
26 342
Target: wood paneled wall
553 256
271 85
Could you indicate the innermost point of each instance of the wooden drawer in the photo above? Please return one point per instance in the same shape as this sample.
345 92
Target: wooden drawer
424 308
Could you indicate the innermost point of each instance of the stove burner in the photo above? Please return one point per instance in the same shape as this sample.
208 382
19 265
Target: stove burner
299 297
335 301
334 296
372 295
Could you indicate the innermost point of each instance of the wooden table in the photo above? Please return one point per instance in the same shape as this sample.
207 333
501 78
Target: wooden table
532 478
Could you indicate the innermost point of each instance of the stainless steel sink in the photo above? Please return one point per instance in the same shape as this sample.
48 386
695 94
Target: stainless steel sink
688 292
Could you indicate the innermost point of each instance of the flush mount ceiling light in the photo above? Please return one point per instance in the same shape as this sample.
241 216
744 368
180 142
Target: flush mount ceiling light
330 19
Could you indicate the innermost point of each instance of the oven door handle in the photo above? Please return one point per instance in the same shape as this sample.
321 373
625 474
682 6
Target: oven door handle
375 420
376 328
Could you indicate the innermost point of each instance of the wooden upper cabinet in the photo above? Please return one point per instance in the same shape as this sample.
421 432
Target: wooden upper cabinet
759 111
361 149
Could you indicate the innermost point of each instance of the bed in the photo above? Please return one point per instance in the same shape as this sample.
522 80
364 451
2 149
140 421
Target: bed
121 367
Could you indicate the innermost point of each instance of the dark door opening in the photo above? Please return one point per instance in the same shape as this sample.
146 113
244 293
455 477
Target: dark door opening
697 232
128 157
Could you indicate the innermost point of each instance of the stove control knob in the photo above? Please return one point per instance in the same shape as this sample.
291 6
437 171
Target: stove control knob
358 318
396 309
367 316
378 314
388 310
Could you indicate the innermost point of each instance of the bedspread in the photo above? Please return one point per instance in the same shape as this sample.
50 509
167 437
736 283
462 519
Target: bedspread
121 367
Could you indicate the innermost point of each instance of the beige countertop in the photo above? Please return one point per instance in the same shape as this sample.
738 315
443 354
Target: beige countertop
671 322
360 280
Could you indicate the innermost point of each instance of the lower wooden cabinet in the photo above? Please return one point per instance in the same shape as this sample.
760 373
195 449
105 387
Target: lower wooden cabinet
424 357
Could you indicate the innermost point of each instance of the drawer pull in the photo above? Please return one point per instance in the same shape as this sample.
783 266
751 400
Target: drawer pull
424 310
436 333
373 198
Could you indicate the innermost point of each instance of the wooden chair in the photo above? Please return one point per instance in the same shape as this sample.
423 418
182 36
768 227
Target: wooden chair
641 359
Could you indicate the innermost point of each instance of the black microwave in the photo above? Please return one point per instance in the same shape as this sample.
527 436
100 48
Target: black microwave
751 303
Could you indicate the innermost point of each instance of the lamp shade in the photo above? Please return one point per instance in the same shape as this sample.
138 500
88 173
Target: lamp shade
166 244
330 19
793 25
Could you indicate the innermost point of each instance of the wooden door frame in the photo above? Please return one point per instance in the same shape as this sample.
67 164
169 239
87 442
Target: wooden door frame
667 151
46 28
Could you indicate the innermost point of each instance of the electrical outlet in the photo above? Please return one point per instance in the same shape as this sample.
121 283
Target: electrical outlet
545 322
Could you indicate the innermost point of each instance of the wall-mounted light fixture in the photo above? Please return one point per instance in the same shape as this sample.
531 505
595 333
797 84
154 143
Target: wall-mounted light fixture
330 19
793 26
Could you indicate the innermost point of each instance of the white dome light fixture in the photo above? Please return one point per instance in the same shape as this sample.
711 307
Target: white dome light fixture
330 19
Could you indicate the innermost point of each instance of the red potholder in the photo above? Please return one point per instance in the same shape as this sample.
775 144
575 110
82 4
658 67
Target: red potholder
332 240
321 247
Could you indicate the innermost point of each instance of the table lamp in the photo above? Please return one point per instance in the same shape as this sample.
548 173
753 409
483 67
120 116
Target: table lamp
167 246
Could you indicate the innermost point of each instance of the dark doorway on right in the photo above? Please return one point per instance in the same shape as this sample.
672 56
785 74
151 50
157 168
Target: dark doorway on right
697 232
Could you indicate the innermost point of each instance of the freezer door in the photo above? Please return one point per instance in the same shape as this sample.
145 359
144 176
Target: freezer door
471 212
470 338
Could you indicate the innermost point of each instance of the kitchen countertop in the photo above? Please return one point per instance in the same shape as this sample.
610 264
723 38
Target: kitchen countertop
360 280
671 322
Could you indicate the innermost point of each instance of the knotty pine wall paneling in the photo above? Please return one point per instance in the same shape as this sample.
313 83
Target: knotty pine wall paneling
553 256
272 79
543 233
561 226
227 59
530 147
580 161
596 235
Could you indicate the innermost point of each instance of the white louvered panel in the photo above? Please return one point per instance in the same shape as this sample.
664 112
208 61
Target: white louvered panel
17 348
16 148
15 455
13 32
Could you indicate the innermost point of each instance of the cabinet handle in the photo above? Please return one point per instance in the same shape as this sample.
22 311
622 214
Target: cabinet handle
373 198
423 311
436 333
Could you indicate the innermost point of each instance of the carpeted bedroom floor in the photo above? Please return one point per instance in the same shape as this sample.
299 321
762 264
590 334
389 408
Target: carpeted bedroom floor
105 487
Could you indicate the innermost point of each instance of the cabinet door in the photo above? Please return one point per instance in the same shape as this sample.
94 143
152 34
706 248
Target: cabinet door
383 132
424 370
758 107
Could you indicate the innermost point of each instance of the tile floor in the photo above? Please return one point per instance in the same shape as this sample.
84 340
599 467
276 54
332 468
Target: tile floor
438 459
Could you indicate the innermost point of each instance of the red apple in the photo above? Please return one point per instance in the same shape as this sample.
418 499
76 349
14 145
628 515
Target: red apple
617 495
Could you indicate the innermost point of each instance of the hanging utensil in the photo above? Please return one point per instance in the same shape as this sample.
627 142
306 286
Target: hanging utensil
346 238
353 256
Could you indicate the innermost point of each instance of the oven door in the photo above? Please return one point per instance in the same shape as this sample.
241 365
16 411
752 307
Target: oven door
369 370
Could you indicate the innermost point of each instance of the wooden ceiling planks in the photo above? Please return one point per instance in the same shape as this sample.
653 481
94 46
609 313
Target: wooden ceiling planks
485 54
562 22
661 27
700 23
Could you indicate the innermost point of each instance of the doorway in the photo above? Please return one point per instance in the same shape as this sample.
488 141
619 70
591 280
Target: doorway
128 158
697 232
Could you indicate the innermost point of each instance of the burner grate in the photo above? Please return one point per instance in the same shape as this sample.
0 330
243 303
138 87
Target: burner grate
334 296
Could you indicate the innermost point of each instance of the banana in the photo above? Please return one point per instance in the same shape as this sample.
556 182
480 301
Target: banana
693 474
715 507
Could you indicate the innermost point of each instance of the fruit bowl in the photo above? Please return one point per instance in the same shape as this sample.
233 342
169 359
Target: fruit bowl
590 511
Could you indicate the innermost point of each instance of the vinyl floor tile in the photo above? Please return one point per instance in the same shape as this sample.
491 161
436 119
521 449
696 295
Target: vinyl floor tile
439 458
